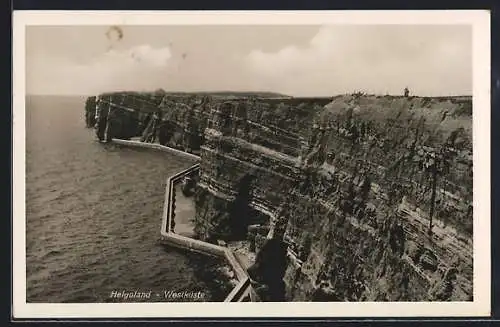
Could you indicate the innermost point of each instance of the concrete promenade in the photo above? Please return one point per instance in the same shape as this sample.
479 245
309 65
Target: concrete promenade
242 290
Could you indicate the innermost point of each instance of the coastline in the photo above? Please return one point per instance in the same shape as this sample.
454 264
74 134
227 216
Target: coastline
236 258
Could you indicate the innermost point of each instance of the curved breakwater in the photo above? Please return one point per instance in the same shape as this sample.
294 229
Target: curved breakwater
241 291
93 214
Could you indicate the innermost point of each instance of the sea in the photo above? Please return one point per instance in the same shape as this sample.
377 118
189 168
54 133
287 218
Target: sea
93 217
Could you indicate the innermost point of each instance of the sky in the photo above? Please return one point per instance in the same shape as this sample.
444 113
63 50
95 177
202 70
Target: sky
294 60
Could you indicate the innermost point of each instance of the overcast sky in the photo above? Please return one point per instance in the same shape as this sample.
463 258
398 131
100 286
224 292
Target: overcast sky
295 60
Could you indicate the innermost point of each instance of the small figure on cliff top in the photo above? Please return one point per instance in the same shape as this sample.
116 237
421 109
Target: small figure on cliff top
406 92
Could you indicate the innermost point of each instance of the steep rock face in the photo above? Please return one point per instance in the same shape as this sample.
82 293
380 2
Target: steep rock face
123 115
277 123
355 206
393 169
244 144
90 109
350 188
184 118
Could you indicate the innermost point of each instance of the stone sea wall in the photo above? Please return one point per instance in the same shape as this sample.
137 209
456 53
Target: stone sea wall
370 196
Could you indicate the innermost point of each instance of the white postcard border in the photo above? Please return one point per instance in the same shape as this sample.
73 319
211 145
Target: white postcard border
479 19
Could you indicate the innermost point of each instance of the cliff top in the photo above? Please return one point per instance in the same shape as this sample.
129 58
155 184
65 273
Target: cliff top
440 114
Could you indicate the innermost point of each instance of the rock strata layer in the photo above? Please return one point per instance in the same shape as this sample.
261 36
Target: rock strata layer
362 198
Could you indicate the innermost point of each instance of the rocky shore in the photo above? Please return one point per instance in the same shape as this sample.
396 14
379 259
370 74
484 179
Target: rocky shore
351 198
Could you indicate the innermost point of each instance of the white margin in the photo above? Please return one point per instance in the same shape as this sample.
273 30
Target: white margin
479 19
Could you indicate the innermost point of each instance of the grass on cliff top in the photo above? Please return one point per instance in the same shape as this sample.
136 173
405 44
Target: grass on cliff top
445 114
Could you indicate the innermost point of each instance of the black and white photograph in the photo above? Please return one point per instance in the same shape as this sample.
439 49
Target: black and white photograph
176 164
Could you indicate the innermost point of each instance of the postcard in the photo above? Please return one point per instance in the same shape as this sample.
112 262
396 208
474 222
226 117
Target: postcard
251 164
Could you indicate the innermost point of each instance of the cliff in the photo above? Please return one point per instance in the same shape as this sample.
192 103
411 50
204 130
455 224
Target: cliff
369 196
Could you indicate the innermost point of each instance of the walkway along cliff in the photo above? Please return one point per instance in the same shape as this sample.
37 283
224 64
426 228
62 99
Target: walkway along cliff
353 198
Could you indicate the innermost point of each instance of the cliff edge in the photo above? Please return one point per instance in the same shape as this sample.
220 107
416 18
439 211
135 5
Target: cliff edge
362 197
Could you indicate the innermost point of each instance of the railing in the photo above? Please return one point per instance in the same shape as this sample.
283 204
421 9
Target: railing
169 205
243 288
240 292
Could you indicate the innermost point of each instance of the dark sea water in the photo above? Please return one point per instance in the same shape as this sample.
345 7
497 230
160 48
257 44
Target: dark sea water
93 214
